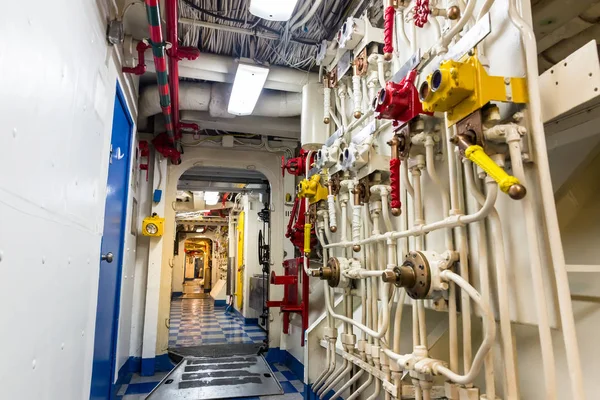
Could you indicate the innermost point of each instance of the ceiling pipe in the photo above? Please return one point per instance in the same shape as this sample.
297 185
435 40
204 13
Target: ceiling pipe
175 54
218 68
214 98
160 64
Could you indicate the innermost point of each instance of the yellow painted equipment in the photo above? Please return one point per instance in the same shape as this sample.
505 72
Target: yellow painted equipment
312 189
153 226
239 289
463 87
307 229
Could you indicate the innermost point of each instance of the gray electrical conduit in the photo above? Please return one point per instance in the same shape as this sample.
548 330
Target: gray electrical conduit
308 16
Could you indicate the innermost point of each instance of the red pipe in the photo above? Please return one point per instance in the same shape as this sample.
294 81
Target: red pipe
388 32
175 54
140 68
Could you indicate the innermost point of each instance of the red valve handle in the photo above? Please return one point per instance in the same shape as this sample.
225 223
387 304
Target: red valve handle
395 203
388 32
421 12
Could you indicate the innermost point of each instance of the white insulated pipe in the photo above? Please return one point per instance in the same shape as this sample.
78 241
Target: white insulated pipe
514 145
547 195
214 98
489 332
450 222
502 284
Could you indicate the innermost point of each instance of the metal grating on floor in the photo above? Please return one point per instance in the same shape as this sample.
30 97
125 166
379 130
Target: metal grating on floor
206 378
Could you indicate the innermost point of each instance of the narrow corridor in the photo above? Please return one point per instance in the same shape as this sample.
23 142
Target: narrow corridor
197 322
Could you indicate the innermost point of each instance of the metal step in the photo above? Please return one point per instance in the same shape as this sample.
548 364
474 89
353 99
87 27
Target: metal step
207 378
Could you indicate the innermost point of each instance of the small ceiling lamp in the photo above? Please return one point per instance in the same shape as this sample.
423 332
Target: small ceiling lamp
247 87
273 10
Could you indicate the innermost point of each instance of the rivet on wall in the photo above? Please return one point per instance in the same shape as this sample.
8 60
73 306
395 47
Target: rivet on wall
82 333
1 254
62 346
43 260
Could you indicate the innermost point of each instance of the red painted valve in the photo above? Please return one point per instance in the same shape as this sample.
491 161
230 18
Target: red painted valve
399 101
294 166
421 12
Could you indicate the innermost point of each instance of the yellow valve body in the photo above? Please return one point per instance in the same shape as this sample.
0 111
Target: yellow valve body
477 155
312 189
465 87
307 229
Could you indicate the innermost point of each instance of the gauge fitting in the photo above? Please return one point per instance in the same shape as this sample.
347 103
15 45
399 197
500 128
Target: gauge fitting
460 88
312 189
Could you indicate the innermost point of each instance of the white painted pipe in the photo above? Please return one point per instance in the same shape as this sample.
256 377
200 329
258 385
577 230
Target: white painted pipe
362 388
346 385
549 206
431 171
514 144
214 97
418 206
484 278
327 103
308 16
450 222
375 334
489 333
442 44
502 284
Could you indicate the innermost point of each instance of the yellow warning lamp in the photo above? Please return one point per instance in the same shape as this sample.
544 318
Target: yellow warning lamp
153 226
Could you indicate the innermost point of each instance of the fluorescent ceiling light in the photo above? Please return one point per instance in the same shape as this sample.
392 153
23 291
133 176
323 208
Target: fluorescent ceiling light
200 230
211 198
248 83
273 10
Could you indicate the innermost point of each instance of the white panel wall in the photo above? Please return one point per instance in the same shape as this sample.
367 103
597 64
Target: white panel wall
251 265
59 88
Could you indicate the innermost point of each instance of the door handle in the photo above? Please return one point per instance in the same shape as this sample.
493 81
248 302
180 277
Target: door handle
108 257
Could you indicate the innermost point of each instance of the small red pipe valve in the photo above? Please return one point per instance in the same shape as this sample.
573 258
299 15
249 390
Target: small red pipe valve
399 101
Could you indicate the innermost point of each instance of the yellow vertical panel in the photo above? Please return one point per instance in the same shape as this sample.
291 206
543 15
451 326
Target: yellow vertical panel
240 262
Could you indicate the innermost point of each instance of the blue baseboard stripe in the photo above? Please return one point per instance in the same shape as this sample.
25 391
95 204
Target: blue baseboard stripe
220 303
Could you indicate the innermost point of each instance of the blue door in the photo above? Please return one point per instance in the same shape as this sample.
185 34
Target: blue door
109 289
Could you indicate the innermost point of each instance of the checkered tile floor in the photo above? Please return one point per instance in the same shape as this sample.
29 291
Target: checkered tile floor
139 386
197 322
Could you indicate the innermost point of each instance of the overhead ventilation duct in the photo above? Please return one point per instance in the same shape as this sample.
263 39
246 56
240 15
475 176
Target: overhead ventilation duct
214 98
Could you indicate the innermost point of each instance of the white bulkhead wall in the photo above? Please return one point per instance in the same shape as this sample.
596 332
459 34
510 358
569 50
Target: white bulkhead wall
54 153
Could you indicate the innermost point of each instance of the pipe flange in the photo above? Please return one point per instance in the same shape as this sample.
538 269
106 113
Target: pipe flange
330 273
421 284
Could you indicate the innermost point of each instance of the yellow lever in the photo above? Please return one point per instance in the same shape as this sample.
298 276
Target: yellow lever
307 229
507 183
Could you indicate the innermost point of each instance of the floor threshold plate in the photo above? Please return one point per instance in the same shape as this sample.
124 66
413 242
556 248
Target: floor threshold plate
207 378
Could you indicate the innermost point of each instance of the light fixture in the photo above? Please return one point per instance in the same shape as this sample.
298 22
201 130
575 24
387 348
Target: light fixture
247 86
153 225
200 230
273 10
211 198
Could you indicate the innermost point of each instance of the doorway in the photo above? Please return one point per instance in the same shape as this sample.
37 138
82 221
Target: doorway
220 215
111 263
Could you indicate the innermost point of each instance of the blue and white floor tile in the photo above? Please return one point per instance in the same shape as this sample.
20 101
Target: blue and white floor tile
196 322
139 387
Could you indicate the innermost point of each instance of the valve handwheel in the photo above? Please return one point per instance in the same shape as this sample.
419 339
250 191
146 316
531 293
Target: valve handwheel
421 12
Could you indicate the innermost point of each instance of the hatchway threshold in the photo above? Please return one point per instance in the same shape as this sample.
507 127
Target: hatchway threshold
215 350
218 378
